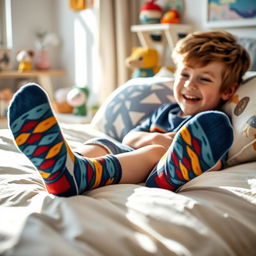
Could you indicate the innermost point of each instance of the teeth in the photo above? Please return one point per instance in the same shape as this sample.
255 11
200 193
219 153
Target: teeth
190 97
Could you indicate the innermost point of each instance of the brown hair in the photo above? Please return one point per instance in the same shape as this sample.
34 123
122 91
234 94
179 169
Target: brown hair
202 48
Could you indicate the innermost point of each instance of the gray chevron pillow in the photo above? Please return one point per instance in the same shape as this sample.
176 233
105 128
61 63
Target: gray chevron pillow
132 103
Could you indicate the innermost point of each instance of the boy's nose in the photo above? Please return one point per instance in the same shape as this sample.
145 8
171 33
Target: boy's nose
190 83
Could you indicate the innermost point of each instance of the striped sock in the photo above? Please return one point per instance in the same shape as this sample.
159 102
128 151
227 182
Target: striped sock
196 148
38 135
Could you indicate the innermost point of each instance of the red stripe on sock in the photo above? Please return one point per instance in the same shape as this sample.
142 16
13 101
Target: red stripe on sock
40 150
89 173
29 125
161 182
33 138
47 164
179 174
175 159
196 146
59 186
52 177
187 163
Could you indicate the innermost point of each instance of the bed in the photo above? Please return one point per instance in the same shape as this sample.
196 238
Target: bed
214 214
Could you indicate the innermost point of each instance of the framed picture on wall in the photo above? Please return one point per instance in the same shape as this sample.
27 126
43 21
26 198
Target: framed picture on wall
230 13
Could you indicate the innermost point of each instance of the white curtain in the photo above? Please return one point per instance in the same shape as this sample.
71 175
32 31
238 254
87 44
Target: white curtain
115 41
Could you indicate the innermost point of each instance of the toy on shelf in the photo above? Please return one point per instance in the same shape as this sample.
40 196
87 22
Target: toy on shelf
150 13
171 16
144 62
60 104
77 97
5 59
24 57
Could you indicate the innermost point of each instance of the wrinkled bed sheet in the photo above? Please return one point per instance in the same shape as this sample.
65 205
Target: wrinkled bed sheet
214 214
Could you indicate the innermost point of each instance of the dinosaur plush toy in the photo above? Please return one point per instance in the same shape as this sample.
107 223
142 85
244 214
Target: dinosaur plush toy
144 62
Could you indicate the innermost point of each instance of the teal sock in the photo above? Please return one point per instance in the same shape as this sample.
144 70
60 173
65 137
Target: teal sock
38 135
196 148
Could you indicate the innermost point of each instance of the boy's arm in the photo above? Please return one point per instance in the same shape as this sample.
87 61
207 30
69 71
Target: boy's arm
138 139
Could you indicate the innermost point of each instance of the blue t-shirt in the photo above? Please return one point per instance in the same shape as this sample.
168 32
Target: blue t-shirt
164 119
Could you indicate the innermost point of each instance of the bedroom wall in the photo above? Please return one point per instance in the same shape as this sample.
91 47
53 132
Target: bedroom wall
28 17
194 8
27 21
56 16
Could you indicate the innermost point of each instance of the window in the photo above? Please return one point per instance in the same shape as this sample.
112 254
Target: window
5 24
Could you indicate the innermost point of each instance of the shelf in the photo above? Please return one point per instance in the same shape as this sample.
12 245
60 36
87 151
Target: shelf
43 77
170 34
170 31
33 73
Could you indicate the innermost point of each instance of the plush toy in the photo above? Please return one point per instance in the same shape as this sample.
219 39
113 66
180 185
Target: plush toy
60 104
77 97
144 62
5 62
24 57
150 12
171 16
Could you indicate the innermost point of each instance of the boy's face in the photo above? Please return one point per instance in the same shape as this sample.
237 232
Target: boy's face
197 89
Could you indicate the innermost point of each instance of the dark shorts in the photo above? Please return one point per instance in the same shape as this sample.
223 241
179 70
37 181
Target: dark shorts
111 146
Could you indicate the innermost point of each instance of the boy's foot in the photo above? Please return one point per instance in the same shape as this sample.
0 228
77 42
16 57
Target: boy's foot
197 147
38 135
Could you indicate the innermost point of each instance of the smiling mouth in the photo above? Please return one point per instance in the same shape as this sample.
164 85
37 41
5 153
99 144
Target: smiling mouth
191 98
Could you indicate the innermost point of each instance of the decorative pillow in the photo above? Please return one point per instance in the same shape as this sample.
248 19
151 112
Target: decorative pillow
242 110
132 103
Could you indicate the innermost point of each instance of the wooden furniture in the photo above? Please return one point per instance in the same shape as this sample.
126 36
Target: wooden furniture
169 32
43 77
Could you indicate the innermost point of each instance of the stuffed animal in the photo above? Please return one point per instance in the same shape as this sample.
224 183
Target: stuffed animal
60 104
24 57
77 97
144 62
171 16
150 12
5 62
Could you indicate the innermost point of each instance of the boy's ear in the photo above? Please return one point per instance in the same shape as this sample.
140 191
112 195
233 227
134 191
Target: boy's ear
228 93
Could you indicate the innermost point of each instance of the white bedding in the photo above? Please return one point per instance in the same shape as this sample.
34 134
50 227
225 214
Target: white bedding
214 214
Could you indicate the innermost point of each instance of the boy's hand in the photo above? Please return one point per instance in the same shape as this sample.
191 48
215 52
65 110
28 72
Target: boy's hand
141 139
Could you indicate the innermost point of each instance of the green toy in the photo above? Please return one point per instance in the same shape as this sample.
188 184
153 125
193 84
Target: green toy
77 97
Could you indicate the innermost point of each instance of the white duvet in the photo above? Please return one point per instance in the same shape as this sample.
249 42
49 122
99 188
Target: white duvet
214 214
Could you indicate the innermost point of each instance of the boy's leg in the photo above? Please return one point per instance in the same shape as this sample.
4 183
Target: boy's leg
38 136
197 147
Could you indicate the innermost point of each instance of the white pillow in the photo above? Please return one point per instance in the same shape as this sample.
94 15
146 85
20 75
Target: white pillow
242 110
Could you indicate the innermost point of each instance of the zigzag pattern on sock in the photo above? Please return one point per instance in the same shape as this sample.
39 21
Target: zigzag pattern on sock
188 162
38 136
188 157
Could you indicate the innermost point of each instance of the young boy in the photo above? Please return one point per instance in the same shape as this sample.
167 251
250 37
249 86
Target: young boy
178 141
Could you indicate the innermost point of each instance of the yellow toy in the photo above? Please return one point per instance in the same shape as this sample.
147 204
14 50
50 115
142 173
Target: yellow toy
144 62
171 16
24 57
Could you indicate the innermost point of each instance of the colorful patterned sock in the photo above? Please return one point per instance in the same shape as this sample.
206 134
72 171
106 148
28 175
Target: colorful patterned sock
38 135
196 148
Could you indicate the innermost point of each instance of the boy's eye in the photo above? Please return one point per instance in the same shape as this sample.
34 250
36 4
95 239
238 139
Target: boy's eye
185 75
204 79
